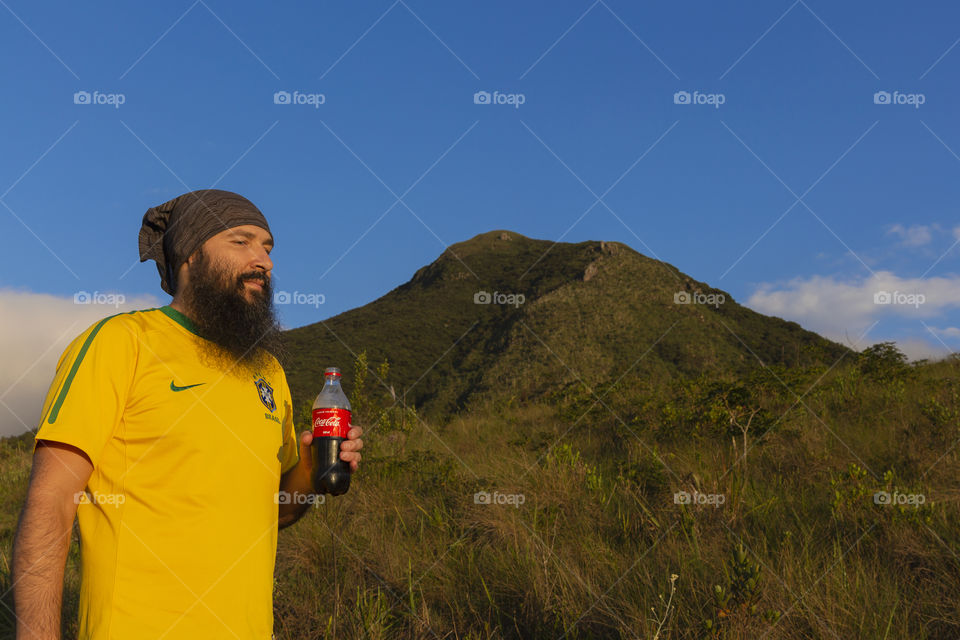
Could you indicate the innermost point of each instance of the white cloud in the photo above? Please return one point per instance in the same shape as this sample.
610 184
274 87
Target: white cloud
946 332
35 328
916 349
843 311
916 235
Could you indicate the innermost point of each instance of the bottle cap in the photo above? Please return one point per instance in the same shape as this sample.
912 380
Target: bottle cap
332 371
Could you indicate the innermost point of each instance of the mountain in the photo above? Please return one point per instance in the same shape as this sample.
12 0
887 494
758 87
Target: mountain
505 315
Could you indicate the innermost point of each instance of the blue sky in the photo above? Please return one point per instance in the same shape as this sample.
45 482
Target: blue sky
799 194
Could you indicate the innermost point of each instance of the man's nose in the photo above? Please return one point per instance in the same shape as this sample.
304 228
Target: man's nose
261 260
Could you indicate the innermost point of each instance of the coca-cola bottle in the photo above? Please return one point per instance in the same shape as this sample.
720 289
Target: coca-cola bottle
331 421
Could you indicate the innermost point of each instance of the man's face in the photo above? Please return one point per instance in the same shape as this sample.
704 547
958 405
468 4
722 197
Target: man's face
228 294
242 256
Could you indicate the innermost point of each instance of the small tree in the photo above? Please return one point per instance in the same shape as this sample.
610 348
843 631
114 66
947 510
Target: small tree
359 400
380 409
735 407
883 361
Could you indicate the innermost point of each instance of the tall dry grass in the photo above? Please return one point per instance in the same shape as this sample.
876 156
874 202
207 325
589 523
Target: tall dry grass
599 547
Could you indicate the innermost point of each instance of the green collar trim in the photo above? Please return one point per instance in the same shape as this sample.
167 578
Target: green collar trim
179 318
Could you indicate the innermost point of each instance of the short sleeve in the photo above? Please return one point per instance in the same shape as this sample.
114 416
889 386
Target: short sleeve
89 391
291 446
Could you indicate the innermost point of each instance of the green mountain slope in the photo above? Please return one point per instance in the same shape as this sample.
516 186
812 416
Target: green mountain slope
590 311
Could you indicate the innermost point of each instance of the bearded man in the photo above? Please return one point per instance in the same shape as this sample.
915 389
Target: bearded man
169 434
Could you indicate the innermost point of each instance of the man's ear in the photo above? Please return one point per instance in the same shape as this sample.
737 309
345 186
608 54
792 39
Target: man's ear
183 274
196 255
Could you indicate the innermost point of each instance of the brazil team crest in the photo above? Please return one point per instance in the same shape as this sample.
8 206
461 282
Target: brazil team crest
266 394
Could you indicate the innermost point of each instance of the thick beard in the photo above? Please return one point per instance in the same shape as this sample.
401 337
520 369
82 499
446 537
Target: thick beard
242 334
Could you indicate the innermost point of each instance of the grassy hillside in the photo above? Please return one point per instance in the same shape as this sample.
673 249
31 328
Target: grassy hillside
587 535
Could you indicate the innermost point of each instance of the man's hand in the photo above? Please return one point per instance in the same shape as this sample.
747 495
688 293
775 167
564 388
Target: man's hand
298 480
349 448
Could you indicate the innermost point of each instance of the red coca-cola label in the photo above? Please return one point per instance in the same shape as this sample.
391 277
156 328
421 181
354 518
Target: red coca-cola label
331 423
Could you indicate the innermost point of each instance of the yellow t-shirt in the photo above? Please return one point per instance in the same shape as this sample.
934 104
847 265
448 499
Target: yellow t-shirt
178 524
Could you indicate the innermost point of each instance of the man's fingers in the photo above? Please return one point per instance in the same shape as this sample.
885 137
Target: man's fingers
350 456
351 445
355 432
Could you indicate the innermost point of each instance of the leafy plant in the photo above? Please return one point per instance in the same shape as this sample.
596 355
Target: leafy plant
738 599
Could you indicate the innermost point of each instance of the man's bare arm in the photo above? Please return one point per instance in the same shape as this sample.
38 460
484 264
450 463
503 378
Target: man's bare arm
296 481
59 472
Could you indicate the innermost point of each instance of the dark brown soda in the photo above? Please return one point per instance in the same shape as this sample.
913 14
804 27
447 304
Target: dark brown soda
330 473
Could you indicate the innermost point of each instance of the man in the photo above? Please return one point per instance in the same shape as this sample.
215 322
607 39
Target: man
169 434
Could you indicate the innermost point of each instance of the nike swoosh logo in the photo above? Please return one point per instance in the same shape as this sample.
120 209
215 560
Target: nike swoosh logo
174 387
